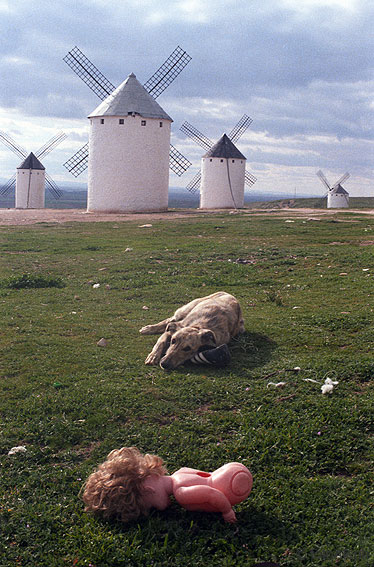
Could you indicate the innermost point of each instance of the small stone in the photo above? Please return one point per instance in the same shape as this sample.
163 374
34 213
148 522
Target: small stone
15 450
102 343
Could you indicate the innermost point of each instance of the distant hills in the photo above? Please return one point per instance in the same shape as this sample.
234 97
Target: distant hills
73 198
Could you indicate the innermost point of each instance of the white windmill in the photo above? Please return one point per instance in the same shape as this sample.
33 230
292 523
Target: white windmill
129 151
337 196
31 178
223 175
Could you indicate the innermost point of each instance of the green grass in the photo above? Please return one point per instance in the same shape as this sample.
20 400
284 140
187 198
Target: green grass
306 289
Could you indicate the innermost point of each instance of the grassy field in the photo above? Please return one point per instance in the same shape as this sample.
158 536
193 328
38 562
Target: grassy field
306 288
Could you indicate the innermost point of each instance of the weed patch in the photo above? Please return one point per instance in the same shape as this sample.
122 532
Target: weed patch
32 281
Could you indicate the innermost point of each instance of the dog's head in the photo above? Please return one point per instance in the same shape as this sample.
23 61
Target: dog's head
184 343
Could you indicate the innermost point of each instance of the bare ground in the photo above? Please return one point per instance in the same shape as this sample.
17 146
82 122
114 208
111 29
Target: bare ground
22 217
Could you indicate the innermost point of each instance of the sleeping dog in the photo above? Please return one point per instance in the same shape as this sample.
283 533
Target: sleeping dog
204 323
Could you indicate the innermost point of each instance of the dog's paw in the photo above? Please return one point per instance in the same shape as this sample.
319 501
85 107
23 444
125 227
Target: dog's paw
146 330
152 359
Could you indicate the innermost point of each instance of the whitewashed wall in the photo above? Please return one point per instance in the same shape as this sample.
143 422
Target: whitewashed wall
337 200
215 188
128 166
30 189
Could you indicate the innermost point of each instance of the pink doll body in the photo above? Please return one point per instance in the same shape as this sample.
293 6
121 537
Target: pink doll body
217 491
128 484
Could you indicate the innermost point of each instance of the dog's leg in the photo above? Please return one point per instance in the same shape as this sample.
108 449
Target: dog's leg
159 349
155 329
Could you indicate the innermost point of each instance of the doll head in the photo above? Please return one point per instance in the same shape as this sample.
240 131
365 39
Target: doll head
115 489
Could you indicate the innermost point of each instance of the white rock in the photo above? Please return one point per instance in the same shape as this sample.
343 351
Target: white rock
15 450
102 342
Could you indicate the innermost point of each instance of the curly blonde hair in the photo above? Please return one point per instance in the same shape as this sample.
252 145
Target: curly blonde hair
114 490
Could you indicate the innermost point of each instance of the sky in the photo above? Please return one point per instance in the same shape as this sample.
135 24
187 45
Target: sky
303 70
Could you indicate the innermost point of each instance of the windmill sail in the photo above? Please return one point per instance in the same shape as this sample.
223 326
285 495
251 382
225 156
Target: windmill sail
322 177
178 163
78 162
342 179
51 185
168 71
9 185
196 135
12 145
50 145
240 128
249 179
89 73
194 184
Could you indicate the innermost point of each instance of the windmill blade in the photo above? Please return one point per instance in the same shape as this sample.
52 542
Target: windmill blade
78 162
342 179
56 192
323 179
249 179
168 71
178 163
11 144
194 184
89 74
9 185
50 145
240 128
196 136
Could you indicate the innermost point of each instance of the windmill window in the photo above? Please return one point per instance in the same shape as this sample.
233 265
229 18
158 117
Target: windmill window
233 161
101 120
160 124
143 122
121 121
221 160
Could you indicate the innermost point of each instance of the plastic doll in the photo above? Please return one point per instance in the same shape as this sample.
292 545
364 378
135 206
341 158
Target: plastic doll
128 484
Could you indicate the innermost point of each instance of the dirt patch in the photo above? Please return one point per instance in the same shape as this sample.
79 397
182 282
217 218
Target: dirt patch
23 217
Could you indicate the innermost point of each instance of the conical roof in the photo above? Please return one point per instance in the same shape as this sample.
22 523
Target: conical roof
31 162
340 190
224 148
130 97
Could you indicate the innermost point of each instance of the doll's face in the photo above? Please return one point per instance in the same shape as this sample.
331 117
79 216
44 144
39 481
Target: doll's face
156 491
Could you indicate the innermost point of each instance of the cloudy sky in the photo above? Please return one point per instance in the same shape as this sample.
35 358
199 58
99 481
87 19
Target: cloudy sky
302 69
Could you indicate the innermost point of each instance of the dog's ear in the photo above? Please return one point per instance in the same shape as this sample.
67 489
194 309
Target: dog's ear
171 327
208 337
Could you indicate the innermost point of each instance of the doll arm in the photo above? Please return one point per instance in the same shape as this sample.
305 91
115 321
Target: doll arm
205 498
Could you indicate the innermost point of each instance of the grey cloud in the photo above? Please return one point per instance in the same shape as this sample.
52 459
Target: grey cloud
294 73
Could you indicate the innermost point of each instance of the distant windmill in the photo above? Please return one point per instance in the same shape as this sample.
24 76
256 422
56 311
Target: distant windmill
129 151
337 196
31 178
223 175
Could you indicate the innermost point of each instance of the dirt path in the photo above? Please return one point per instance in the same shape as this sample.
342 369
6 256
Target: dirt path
22 217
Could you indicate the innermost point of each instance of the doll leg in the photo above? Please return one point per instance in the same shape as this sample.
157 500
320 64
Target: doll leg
219 356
